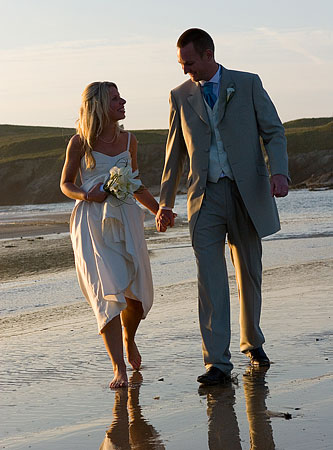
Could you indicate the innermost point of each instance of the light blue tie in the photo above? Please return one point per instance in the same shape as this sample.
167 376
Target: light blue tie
208 93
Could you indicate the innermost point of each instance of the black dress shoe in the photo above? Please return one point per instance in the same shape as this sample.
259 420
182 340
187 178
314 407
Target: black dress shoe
258 357
213 376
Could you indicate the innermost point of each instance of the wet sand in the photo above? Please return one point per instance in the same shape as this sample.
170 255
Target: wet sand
43 224
54 373
43 245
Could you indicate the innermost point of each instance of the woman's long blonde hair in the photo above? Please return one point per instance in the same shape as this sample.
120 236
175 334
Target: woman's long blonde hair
93 116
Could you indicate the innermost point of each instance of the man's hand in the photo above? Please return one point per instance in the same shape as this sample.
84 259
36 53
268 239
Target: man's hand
279 185
164 218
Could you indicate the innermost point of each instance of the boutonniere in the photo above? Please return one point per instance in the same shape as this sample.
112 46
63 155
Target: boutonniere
230 92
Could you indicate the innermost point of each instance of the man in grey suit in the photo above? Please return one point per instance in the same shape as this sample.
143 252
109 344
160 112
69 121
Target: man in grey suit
217 118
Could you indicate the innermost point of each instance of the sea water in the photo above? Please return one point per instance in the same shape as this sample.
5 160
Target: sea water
303 213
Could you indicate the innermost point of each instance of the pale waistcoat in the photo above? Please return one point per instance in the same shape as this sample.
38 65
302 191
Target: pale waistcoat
218 159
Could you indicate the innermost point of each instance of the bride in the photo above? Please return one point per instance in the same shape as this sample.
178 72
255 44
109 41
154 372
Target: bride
107 234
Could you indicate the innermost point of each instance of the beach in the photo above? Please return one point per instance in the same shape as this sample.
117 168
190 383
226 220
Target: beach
54 370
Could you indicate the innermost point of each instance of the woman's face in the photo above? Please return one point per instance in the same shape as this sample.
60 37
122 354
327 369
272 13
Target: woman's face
117 105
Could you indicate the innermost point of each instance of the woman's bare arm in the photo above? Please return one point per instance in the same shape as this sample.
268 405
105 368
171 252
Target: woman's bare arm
74 153
143 195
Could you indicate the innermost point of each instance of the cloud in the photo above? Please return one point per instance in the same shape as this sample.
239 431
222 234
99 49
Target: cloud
299 42
53 77
43 83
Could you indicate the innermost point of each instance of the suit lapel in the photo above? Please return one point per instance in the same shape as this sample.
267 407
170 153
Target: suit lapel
226 81
196 101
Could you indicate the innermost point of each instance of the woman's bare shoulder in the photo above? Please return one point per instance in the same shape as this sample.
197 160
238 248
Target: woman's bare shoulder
133 141
76 145
76 141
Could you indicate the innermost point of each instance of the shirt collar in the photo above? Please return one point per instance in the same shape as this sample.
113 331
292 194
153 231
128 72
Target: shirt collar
215 78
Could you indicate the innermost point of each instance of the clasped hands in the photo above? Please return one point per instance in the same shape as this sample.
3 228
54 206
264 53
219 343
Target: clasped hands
164 218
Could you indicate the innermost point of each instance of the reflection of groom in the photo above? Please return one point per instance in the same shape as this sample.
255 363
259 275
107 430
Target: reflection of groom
223 430
218 125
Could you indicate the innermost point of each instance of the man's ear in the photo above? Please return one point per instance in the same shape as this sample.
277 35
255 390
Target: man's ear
209 54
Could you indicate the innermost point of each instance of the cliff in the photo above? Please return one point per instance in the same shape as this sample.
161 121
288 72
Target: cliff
31 159
310 150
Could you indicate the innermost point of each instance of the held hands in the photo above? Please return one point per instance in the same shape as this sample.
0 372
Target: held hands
164 218
95 194
279 185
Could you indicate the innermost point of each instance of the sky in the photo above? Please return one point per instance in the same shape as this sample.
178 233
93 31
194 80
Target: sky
50 50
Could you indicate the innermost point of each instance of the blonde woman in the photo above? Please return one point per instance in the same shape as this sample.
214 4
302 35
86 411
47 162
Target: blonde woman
111 256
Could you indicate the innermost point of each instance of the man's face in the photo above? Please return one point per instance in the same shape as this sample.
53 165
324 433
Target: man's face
193 64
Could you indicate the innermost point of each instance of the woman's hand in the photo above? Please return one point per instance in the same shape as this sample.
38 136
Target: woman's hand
95 194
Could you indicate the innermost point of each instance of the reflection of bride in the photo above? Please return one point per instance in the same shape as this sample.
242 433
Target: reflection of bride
129 430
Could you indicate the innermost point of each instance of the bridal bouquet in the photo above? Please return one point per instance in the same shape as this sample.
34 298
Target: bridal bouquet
122 182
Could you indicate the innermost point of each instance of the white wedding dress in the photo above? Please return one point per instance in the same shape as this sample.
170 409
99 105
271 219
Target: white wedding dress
111 256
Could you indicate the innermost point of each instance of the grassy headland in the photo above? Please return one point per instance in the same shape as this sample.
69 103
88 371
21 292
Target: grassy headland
310 150
31 158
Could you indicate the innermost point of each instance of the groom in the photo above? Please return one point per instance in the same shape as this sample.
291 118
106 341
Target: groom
216 119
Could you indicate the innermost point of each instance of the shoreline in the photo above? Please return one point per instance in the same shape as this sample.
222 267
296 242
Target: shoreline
37 247
41 224
182 190
29 247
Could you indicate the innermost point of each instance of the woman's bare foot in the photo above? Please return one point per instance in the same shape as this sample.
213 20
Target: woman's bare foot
120 379
133 354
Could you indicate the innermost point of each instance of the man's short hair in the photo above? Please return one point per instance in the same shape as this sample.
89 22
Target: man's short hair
200 39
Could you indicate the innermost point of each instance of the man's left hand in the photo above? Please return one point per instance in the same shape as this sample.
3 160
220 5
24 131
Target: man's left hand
279 185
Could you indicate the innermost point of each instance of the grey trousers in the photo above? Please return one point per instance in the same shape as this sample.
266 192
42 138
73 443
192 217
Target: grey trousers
222 215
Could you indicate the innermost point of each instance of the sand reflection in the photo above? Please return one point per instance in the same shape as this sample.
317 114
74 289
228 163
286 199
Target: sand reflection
129 430
223 429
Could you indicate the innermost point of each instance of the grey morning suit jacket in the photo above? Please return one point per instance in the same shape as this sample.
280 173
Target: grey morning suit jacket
248 114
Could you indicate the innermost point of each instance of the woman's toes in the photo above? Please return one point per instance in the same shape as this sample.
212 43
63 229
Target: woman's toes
119 380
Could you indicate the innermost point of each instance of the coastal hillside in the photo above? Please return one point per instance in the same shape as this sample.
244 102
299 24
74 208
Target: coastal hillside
310 150
31 159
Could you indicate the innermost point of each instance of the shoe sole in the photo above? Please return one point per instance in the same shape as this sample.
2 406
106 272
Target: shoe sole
214 383
261 364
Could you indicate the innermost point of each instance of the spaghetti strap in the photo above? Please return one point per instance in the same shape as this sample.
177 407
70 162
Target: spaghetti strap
129 140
